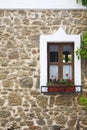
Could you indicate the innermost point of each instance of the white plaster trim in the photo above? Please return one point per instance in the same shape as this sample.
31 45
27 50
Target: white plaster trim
40 4
59 36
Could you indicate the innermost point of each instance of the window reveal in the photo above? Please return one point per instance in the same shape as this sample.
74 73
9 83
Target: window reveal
60 61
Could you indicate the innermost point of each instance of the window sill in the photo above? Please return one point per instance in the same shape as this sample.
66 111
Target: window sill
61 89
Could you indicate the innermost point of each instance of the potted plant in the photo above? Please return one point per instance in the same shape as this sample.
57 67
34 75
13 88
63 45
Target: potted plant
61 85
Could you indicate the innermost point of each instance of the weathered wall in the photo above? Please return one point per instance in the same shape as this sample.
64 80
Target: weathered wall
22 106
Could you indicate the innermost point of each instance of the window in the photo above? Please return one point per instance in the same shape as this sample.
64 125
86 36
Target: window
60 61
58 58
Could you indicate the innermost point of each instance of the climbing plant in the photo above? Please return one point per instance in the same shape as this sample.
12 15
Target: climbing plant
82 51
84 2
84 102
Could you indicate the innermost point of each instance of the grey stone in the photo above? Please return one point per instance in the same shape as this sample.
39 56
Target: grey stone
37 83
37 110
7 21
4 114
22 12
2 101
65 100
29 123
13 54
26 82
42 101
56 127
7 83
34 93
72 122
40 122
4 122
14 99
2 54
45 128
1 13
61 119
3 75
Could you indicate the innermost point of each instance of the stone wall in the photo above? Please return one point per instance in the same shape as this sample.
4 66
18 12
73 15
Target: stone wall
22 106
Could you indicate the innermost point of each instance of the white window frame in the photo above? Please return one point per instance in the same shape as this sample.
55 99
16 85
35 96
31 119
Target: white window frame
59 37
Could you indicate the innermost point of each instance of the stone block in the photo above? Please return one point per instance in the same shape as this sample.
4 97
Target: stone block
3 76
42 101
26 82
14 99
61 119
7 83
13 54
5 114
56 127
40 122
1 13
65 100
71 122
2 101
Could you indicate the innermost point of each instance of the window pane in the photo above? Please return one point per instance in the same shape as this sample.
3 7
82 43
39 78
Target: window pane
67 71
53 53
67 54
53 72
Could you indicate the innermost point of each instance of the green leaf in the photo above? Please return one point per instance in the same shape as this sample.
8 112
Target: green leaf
84 2
83 101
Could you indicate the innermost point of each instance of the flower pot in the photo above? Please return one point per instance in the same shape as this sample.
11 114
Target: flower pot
61 88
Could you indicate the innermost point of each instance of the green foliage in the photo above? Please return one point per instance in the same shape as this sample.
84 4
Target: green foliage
78 52
67 82
84 2
50 83
82 51
84 102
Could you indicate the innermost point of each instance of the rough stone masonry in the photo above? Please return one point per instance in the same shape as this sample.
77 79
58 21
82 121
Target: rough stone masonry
22 105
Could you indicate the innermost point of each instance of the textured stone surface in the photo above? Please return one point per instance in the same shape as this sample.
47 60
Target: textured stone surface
22 105
4 114
3 76
1 13
42 101
55 127
13 54
2 101
61 119
26 82
84 120
71 122
7 83
65 100
40 122
14 99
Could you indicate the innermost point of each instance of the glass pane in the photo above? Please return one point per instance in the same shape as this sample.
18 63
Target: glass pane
53 53
53 72
67 71
67 54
